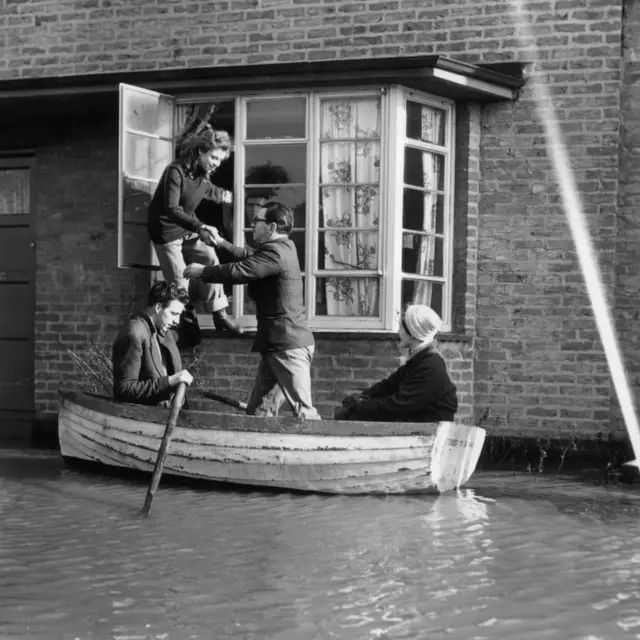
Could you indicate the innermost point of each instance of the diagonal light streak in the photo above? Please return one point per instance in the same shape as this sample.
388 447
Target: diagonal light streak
557 151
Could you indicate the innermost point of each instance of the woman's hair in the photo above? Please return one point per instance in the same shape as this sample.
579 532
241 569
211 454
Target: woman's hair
191 145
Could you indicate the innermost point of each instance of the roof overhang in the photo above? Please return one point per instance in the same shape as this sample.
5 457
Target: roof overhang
433 74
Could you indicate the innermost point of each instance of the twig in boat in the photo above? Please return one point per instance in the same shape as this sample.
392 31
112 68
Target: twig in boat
84 367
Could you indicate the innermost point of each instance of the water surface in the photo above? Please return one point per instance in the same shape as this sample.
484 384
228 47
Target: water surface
518 557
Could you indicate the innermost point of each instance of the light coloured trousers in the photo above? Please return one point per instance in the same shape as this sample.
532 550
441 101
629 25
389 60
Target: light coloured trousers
283 375
174 257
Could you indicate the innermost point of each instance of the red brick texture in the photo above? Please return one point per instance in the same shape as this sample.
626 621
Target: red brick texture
533 355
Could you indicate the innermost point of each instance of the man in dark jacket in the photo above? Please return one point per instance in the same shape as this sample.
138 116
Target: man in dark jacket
147 366
285 344
420 390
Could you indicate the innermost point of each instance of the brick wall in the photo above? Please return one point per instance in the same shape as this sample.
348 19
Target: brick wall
81 297
628 238
538 361
340 366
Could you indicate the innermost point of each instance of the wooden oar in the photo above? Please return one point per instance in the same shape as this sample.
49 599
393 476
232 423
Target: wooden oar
238 404
178 398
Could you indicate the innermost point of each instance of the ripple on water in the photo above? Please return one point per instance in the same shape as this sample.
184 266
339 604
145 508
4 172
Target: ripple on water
511 557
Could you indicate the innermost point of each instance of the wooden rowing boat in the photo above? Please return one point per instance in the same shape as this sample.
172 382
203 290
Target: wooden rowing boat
326 456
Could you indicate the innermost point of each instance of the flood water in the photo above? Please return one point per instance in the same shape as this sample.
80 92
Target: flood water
518 557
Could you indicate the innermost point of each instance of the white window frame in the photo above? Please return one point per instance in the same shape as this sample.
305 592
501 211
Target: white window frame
393 141
400 96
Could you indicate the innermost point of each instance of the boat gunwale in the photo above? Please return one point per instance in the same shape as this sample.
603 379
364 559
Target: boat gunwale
199 419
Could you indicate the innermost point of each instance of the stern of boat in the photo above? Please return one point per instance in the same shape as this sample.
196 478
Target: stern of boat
455 454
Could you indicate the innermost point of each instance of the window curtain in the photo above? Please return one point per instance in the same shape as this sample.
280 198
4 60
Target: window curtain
431 126
14 191
350 200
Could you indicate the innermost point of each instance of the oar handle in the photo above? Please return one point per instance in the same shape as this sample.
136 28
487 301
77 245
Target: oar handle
232 402
177 402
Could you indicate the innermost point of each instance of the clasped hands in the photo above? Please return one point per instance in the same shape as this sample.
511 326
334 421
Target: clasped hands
208 235
349 405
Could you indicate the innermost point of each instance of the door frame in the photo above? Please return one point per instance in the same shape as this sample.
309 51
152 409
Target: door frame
18 424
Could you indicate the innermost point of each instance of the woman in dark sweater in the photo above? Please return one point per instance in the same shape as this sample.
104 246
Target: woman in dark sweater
420 390
177 234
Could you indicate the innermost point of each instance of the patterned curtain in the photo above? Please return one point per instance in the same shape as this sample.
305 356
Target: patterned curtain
350 203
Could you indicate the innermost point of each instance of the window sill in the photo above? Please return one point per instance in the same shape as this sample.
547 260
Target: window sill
331 335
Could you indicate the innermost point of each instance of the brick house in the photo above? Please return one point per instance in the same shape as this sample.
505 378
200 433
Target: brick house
434 114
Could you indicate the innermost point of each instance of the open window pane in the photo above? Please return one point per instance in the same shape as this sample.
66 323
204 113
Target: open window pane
137 247
424 169
276 164
423 292
422 211
422 255
146 157
276 118
136 197
425 123
346 249
143 157
14 191
348 296
147 111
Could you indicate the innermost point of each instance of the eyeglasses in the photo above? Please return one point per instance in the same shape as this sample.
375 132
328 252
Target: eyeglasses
256 220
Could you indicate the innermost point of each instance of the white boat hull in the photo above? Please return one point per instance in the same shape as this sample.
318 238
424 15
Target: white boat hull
321 456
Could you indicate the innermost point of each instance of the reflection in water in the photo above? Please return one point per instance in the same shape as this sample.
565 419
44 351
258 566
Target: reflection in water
507 558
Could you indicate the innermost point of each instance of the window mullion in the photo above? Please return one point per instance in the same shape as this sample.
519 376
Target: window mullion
396 126
238 200
312 209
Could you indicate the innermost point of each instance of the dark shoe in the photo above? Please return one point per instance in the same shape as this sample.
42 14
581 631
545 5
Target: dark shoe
222 322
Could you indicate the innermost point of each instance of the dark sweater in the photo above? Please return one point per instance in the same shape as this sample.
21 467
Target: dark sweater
171 212
272 273
139 364
419 391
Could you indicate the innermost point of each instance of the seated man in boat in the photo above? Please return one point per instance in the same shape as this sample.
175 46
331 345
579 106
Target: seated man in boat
147 366
420 390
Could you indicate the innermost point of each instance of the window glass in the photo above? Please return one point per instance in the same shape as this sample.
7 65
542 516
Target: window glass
422 254
348 236
148 112
293 196
14 191
422 210
276 164
423 292
345 249
146 157
348 296
424 169
425 123
276 118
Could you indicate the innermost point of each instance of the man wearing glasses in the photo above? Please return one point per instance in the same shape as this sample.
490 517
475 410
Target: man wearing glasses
285 344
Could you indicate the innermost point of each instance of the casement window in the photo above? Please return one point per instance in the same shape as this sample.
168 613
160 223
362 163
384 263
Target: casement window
368 173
